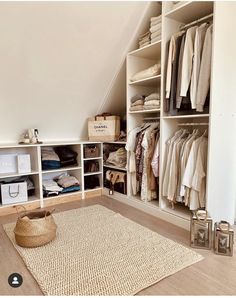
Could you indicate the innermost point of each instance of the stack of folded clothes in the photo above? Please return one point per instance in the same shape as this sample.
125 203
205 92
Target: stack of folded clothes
67 156
55 158
152 101
137 102
63 184
68 183
144 39
146 73
50 160
155 29
51 188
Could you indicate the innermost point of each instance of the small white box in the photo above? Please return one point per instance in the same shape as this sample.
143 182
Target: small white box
8 163
23 162
13 193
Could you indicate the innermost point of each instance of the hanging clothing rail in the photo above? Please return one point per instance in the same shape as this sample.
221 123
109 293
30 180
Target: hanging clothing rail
197 21
193 124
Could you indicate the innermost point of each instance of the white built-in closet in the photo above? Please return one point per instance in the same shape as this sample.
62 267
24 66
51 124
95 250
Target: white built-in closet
221 118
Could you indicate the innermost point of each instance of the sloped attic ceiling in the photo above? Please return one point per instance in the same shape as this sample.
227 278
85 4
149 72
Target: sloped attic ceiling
57 61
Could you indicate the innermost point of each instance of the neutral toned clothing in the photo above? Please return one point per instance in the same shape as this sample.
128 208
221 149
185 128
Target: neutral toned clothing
189 172
205 70
156 34
152 96
198 45
187 60
146 73
179 75
174 75
146 193
168 155
131 166
171 56
185 165
154 102
151 107
136 108
157 38
199 177
157 18
141 45
138 102
155 28
136 97
155 158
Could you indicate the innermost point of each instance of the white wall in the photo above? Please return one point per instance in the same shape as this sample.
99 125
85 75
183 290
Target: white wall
222 158
57 60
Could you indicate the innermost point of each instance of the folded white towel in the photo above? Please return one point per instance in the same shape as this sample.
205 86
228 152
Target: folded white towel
154 102
144 44
156 39
154 19
144 40
147 73
152 24
153 96
155 28
155 34
147 34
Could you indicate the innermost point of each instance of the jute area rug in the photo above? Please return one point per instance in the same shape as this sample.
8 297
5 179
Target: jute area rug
100 252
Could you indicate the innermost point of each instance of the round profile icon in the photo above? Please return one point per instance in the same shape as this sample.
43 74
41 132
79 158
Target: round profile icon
15 280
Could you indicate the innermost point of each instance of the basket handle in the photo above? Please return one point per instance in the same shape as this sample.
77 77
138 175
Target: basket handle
18 213
50 212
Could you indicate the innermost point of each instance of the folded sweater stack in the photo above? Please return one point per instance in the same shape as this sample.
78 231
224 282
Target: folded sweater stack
152 101
144 39
55 158
155 29
63 184
137 102
50 160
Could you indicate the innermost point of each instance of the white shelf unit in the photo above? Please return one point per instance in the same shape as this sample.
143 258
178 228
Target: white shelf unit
38 175
173 16
188 11
136 61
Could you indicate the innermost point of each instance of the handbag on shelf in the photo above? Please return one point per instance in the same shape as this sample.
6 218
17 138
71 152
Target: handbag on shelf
117 181
91 166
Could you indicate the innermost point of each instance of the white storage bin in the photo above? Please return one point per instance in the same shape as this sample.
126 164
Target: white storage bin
13 193
8 163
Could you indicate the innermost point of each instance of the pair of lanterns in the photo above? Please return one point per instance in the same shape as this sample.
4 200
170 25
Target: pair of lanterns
201 234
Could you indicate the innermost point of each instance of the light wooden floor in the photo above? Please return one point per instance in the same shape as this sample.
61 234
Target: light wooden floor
215 275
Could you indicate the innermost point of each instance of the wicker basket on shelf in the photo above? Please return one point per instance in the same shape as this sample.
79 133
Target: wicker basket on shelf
91 151
35 229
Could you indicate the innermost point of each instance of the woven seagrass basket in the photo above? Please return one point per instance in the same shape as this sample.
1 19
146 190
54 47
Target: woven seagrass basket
35 229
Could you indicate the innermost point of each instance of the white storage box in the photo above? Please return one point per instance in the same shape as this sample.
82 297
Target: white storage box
8 163
13 193
24 164
104 128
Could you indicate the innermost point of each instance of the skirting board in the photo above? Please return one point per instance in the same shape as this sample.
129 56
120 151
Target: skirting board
150 209
50 202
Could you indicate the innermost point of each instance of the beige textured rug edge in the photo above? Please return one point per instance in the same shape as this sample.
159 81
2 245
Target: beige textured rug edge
44 288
